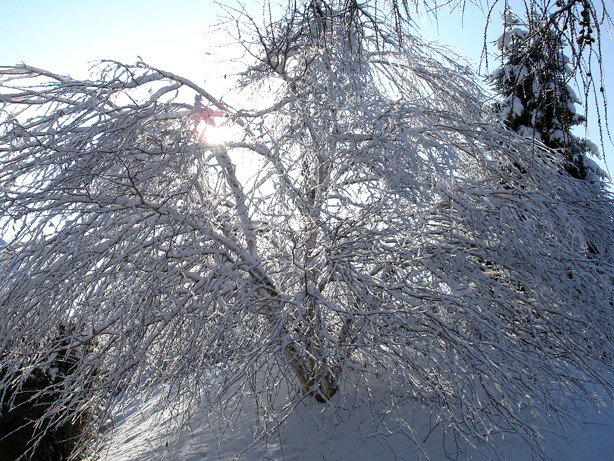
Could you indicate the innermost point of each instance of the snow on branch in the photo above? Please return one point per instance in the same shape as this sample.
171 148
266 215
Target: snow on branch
374 221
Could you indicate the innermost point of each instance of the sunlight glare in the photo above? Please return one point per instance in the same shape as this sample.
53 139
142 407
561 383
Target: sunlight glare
214 129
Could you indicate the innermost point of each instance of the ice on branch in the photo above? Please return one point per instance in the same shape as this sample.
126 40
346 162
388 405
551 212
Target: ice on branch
374 222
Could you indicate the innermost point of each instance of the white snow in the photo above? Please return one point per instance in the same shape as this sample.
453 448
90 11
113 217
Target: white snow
506 38
503 41
522 73
317 432
530 132
557 135
572 95
519 32
595 172
512 105
592 148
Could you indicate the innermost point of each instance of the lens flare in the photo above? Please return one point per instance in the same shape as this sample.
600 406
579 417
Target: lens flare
213 127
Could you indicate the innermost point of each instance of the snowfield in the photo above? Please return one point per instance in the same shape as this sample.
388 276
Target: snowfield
345 430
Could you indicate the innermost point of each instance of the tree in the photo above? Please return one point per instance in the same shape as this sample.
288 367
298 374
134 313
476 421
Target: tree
581 26
358 222
539 102
34 404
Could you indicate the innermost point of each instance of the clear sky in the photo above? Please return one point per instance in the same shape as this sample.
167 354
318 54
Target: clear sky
65 36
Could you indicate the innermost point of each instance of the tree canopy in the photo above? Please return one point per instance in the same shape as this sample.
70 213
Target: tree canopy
580 26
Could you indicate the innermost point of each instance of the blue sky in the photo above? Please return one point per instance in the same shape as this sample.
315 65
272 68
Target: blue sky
65 36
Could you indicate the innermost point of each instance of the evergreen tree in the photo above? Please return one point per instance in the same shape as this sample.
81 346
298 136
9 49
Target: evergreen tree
36 398
538 100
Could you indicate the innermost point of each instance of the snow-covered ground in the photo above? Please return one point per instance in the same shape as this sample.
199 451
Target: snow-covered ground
316 432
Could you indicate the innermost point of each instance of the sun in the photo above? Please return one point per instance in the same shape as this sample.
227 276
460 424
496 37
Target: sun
213 127
218 135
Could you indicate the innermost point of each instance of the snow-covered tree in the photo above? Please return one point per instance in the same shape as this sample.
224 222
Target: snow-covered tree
581 25
21 411
355 227
534 80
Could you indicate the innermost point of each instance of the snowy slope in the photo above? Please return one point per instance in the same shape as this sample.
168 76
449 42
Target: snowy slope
317 432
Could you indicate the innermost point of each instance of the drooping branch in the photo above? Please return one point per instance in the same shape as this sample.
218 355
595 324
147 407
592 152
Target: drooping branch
394 231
